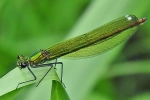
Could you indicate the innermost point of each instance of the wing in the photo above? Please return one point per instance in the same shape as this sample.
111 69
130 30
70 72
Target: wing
102 46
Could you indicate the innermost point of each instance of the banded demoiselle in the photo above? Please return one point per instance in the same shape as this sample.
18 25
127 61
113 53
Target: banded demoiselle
91 43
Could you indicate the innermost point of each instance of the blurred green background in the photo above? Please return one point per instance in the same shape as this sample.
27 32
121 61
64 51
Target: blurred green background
120 74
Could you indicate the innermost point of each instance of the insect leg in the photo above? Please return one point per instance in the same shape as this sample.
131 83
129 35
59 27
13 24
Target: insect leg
28 80
51 65
45 65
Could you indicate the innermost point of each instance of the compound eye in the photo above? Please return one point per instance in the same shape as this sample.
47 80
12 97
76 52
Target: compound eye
23 65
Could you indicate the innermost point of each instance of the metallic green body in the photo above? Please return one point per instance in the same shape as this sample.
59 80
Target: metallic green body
36 57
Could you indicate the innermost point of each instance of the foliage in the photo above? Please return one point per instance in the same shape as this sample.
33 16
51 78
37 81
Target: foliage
120 74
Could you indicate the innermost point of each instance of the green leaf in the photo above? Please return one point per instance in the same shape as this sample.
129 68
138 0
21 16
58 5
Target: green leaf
10 81
10 95
58 91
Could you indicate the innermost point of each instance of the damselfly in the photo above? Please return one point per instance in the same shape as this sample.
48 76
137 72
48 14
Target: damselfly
91 43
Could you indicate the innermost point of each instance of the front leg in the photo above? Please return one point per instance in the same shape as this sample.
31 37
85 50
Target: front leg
28 80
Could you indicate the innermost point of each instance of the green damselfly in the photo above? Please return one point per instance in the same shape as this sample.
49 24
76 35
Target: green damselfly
91 43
